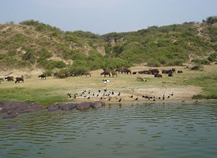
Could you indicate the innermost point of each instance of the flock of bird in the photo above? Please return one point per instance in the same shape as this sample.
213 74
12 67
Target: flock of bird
115 96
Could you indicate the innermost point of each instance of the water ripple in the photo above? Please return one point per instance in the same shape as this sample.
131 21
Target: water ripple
130 130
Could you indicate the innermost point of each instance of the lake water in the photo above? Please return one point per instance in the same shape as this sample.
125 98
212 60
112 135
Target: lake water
135 130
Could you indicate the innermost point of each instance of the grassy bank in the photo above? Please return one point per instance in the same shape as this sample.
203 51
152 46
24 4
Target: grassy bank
186 86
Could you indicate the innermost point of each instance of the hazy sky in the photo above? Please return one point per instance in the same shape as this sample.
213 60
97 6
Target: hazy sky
105 16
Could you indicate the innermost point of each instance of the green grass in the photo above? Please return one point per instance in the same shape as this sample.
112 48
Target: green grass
40 95
54 90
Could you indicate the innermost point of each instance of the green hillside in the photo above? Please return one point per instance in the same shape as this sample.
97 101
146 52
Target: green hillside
32 44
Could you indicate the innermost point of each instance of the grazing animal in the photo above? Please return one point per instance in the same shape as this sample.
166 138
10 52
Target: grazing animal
18 79
142 79
158 75
87 74
62 75
114 74
55 74
167 71
118 70
43 76
179 71
170 75
134 72
105 81
67 74
153 71
126 70
9 78
105 73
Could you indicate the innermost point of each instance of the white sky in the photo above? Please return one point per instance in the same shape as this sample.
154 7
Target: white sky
105 16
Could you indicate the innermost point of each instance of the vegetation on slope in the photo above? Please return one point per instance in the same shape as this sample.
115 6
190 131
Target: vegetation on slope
33 44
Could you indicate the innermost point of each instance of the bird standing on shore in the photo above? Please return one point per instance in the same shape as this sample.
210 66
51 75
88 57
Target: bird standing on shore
120 100
69 94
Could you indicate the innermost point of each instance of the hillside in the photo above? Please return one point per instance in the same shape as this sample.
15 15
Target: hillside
34 45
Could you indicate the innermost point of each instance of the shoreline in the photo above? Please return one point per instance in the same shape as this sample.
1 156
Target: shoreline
128 102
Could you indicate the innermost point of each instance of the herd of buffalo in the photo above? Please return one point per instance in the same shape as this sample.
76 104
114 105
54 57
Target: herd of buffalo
12 109
105 73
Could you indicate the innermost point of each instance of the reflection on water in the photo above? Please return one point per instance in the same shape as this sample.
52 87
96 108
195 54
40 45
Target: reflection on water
130 130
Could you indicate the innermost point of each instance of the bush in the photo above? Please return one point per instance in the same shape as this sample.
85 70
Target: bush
22 64
212 57
201 61
153 62
198 96
55 64
48 72
44 53
175 62
29 55
78 55
197 67
78 70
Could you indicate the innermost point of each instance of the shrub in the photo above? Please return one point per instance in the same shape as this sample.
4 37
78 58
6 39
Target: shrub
197 67
201 61
48 72
22 64
78 55
212 57
198 96
44 53
78 70
153 62
29 55
56 64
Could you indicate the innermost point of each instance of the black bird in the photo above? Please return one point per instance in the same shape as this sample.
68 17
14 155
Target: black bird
137 98
109 98
172 94
105 90
119 100
113 93
69 94
163 97
119 93
97 95
88 97
101 98
131 96
99 90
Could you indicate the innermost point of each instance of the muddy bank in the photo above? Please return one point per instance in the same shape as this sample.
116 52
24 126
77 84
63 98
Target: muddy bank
13 109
